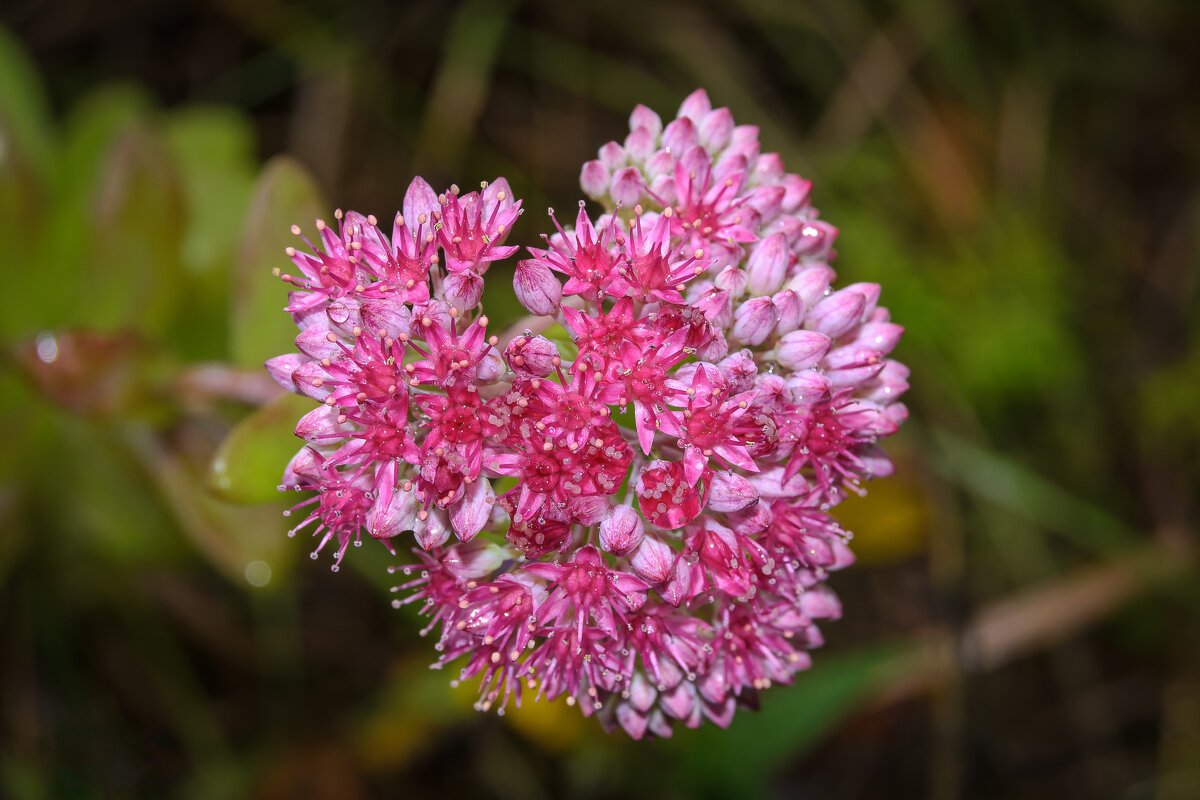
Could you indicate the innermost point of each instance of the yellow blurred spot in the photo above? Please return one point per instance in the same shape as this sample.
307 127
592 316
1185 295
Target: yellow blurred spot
888 524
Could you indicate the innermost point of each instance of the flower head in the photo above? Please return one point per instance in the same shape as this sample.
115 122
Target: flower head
637 519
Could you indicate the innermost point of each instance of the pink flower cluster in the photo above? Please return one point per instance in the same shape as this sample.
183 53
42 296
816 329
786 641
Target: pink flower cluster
631 512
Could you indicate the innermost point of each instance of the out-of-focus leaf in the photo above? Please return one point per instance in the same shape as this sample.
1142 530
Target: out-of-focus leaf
284 195
136 227
214 149
24 116
247 465
231 537
89 135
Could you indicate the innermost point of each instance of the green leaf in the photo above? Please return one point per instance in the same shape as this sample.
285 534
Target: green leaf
284 195
24 115
247 465
136 228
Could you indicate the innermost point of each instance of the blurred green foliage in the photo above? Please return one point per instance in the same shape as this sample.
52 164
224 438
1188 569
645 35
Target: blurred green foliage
1021 180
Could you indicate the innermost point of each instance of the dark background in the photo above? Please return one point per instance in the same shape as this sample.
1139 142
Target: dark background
1020 177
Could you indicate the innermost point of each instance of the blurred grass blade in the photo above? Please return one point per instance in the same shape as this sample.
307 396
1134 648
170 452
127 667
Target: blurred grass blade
284 195
1027 494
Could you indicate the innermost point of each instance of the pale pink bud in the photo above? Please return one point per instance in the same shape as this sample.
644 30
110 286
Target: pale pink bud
679 136
811 284
716 306
433 531
393 511
463 289
282 367
791 310
612 155
320 424
796 192
470 513
754 320
870 291
490 368
622 532
768 169
653 559
820 602
838 313
303 469
880 336
314 343
588 510
730 492
768 264
310 380
536 287
640 145
594 179
627 186
531 355
807 387
661 165
816 239
473 560
420 199
765 200
732 280
385 315
890 383
716 128
800 350
643 117
695 106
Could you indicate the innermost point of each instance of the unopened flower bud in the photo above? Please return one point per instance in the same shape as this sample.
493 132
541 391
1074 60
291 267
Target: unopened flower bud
811 284
640 144
612 155
838 313
627 187
816 240
472 511
791 311
767 265
679 136
716 128
595 178
531 355
800 350
653 559
281 369
473 560
394 511
731 492
695 106
643 117
796 192
536 287
622 532
754 320
732 280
